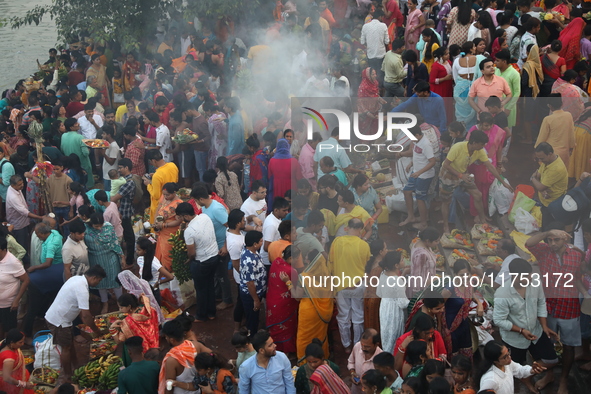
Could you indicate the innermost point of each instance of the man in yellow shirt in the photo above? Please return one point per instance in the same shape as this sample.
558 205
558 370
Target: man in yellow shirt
550 180
348 256
165 173
166 44
454 173
558 129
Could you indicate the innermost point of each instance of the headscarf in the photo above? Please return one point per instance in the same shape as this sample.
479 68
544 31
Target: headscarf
571 41
533 66
496 47
282 150
326 381
367 88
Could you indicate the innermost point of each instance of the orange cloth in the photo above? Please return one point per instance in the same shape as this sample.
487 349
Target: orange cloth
143 324
184 353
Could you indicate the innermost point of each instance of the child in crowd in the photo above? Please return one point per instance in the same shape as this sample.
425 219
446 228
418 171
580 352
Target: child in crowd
457 131
117 88
116 182
500 118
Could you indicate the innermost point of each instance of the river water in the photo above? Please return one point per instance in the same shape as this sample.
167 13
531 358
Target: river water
21 47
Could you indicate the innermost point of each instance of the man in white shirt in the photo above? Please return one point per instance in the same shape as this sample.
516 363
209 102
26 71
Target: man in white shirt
235 244
374 35
202 250
185 42
90 123
72 300
74 251
163 140
111 155
271 227
255 206
506 251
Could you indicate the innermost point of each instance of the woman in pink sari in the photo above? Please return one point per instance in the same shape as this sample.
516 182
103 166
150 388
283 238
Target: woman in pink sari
494 148
282 316
573 97
414 25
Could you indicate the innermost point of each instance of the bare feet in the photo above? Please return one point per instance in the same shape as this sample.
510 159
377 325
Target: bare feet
528 383
409 220
563 388
542 383
419 226
586 367
105 308
221 306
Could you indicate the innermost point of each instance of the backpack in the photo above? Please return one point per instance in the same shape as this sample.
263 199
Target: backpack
139 192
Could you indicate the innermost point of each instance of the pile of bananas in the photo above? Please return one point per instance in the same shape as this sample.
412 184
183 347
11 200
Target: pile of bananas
103 372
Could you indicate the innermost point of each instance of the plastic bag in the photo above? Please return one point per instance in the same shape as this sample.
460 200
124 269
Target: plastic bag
536 212
525 222
521 201
47 354
499 198
184 294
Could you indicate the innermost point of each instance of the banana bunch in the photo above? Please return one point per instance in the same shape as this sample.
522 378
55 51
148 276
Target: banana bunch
108 380
95 371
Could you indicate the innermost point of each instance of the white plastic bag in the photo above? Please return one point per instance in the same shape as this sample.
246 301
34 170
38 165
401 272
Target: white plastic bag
499 198
47 354
183 294
525 222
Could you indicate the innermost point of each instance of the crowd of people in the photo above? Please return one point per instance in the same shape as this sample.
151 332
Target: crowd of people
206 106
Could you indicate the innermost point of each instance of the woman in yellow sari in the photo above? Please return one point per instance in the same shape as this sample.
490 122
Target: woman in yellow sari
166 223
580 159
316 303
100 72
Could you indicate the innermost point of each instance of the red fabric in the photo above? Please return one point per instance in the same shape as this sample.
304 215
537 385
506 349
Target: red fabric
282 320
129 70
283 175
392 6
554 71
73 108
339 10
571 42
135 152
75 77
19 372
195 206
217 198
259 168
562 297
368 88
445 88
143 324
438 344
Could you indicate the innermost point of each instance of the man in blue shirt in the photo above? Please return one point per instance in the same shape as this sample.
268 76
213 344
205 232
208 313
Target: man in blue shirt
219 216
269 371
430 105
235 126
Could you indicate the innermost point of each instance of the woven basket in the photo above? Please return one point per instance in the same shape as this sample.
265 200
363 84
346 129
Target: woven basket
449 244
478 232
472 260
39 380
483 250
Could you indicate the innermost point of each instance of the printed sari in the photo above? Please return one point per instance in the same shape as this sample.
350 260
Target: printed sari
326 381
101 78
19 372
573 97
316 309
129 71
166 209
282 309
142 323
185 354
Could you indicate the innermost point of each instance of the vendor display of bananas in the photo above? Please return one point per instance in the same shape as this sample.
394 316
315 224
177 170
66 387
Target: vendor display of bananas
101 373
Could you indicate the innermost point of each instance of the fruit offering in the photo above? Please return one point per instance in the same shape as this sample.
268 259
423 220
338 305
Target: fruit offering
102 346
494 260
185 137
101 372
96 143
485 231
405 257
457 239
462 254
29 360
45 375
487 247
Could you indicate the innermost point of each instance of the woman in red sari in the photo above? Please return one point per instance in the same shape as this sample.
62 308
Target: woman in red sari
284 170
14 377
441 80
369 102
141 321
570 37
130 69
282 317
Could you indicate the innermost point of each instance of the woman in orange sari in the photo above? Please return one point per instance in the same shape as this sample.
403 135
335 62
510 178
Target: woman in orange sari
166 223
141 321
14 377
130 69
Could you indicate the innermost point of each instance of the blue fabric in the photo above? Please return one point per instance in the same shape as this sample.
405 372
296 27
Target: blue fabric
235 134
49 279
275 379
282 150
219 216
432 108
